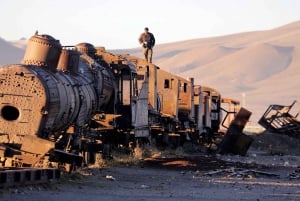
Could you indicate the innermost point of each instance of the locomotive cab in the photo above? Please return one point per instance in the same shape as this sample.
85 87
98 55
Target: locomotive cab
125 76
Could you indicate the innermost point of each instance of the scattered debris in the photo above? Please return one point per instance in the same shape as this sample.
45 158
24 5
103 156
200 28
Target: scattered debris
245 173
109 177
295 174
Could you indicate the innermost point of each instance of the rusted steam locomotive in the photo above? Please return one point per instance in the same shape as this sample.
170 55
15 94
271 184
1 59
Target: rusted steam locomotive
65 103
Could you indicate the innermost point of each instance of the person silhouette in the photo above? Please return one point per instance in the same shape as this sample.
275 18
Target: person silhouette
147 41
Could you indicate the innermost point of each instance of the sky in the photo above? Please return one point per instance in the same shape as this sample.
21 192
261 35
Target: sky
117 24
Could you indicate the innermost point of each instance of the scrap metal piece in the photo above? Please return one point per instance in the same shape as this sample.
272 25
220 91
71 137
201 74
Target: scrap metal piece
235 141
278 119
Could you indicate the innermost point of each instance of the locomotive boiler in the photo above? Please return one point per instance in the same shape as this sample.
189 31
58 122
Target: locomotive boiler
66 103
54 91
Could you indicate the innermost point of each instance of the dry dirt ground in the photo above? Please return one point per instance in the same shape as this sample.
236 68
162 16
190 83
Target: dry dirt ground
270 171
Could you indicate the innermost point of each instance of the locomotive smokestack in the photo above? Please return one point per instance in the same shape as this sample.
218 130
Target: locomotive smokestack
43 51
68 61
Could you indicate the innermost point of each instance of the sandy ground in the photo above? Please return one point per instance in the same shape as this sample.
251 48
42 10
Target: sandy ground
141 184
259 176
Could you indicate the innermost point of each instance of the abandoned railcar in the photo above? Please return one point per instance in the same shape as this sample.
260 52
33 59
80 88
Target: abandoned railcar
65 103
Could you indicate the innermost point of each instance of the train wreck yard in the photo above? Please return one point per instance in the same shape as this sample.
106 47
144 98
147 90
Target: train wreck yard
123 125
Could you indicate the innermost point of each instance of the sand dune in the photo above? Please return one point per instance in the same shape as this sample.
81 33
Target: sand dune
246 66
9 53
259 68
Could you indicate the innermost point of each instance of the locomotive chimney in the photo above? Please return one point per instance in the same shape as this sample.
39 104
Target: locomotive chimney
86 48
43 51
68 61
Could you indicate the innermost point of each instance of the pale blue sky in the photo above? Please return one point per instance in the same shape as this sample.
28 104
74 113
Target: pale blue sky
117 24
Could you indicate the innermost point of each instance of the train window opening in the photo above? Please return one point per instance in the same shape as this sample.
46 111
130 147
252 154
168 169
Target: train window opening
134 84
10 113
167 84
140 77
185 87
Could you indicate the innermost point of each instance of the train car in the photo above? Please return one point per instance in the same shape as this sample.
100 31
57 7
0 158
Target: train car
176 107
165 102
64 104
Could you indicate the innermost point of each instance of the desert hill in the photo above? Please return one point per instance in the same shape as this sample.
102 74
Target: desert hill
9 53
258 68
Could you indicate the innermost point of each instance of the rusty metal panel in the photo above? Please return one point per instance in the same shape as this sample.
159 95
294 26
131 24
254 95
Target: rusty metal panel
34 148
235 144
168 90
186 93
235 141
241 119
153 96
140 115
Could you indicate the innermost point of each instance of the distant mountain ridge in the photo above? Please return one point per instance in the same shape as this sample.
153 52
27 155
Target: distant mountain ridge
258 68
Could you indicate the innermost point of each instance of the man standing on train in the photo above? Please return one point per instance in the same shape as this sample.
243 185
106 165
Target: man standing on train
147 41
